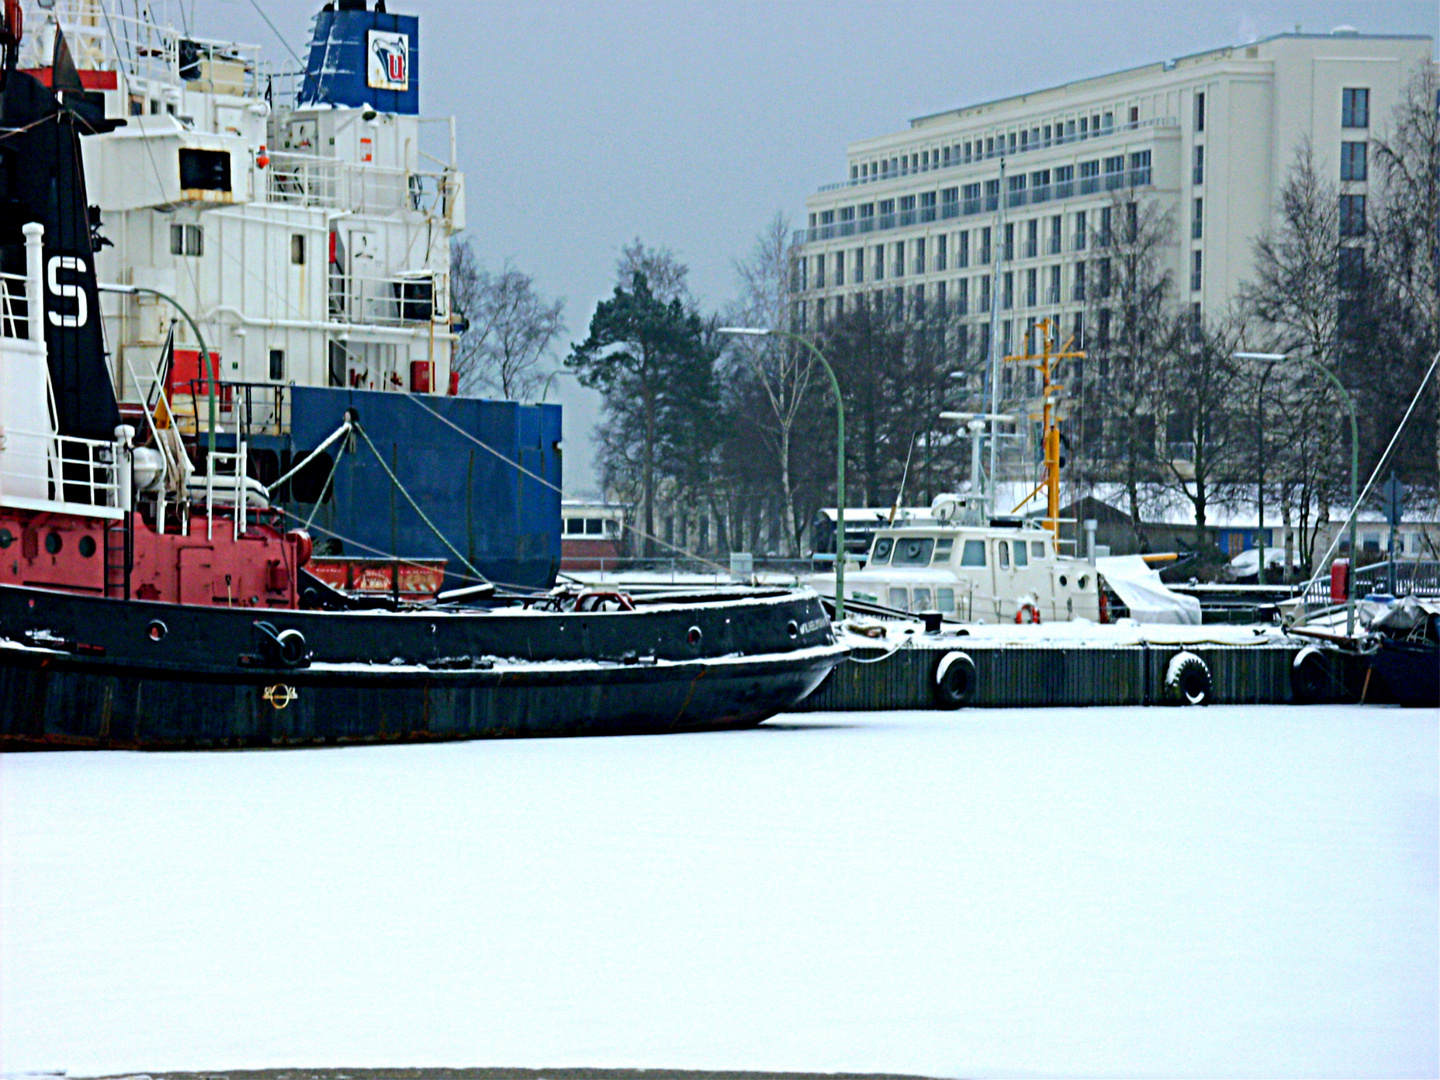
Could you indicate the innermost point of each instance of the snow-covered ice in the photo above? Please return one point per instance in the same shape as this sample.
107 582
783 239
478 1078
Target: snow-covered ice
1199 892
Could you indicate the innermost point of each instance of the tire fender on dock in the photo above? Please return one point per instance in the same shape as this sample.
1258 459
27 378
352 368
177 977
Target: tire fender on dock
1311 680
954 680
1187 680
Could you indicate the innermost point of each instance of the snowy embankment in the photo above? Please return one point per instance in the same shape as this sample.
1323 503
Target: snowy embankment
1201 892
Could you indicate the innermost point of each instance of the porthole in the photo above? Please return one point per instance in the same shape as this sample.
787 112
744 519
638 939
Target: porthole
792 629
1084 581
1064 581
693 636
87 546
53 543
6 538
156 630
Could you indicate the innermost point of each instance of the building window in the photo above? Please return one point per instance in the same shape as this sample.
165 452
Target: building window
1197 264
1103 286
962 249
1089 177
985 245
1031 287
1079 291
984 294
277 365
1198 172
819 271
900 258
1114 172
941 296
1081 238
1352 215
839 268
1053 295
879 262
187 240
1200 111
962 296
1009 290
1103 240
1197 220
1056 227
859 272
1008 254
1352 267
1032 238
1355 107
1352 161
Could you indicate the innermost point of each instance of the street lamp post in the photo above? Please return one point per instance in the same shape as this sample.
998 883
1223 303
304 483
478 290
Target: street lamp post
839 451
1345 397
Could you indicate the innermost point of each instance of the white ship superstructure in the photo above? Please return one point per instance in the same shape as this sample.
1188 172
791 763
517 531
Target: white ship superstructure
307 235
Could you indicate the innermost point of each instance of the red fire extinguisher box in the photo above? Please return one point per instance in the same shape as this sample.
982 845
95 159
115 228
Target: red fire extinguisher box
1339 580
419 376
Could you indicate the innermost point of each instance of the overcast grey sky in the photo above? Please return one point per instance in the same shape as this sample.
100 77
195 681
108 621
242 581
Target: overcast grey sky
586 124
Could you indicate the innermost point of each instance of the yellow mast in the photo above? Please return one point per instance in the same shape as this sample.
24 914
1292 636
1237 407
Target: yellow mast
1044 362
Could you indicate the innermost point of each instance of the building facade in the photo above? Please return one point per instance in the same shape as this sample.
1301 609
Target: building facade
923 215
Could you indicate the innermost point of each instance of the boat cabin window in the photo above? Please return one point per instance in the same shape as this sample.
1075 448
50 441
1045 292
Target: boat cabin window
1003 552
922 600
899 599
945 599
1022 555
913 551
943 547
973 554
1037 548
882 550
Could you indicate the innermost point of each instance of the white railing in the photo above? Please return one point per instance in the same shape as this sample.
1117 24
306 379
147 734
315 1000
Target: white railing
307 180
14 307
63 473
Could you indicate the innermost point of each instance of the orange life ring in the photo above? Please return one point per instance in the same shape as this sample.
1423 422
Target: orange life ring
1027 613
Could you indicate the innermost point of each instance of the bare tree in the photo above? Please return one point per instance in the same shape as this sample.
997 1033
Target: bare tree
1401 285
1132 330
664 272
780 366
511 326
1297 301
1207 436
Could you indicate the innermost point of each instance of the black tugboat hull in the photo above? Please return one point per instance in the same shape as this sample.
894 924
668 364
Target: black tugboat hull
74 672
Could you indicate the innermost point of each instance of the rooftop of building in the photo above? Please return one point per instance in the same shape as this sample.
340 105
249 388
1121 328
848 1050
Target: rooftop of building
1340 33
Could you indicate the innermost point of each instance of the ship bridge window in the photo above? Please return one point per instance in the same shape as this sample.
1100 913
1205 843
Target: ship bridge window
899 599
973 553
207 170
943 548
922 600
945 599
913 551
1002 550
882 550
1022 556
1037 548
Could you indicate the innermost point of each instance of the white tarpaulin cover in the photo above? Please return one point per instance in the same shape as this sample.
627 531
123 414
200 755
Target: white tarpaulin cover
1145 594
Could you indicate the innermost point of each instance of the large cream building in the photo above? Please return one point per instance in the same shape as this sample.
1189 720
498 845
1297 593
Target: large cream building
1210 137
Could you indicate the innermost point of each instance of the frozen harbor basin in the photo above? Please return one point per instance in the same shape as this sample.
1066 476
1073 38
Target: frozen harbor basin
1237 891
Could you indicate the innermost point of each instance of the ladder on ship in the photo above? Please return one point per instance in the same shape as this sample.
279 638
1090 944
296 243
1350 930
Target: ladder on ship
119 558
